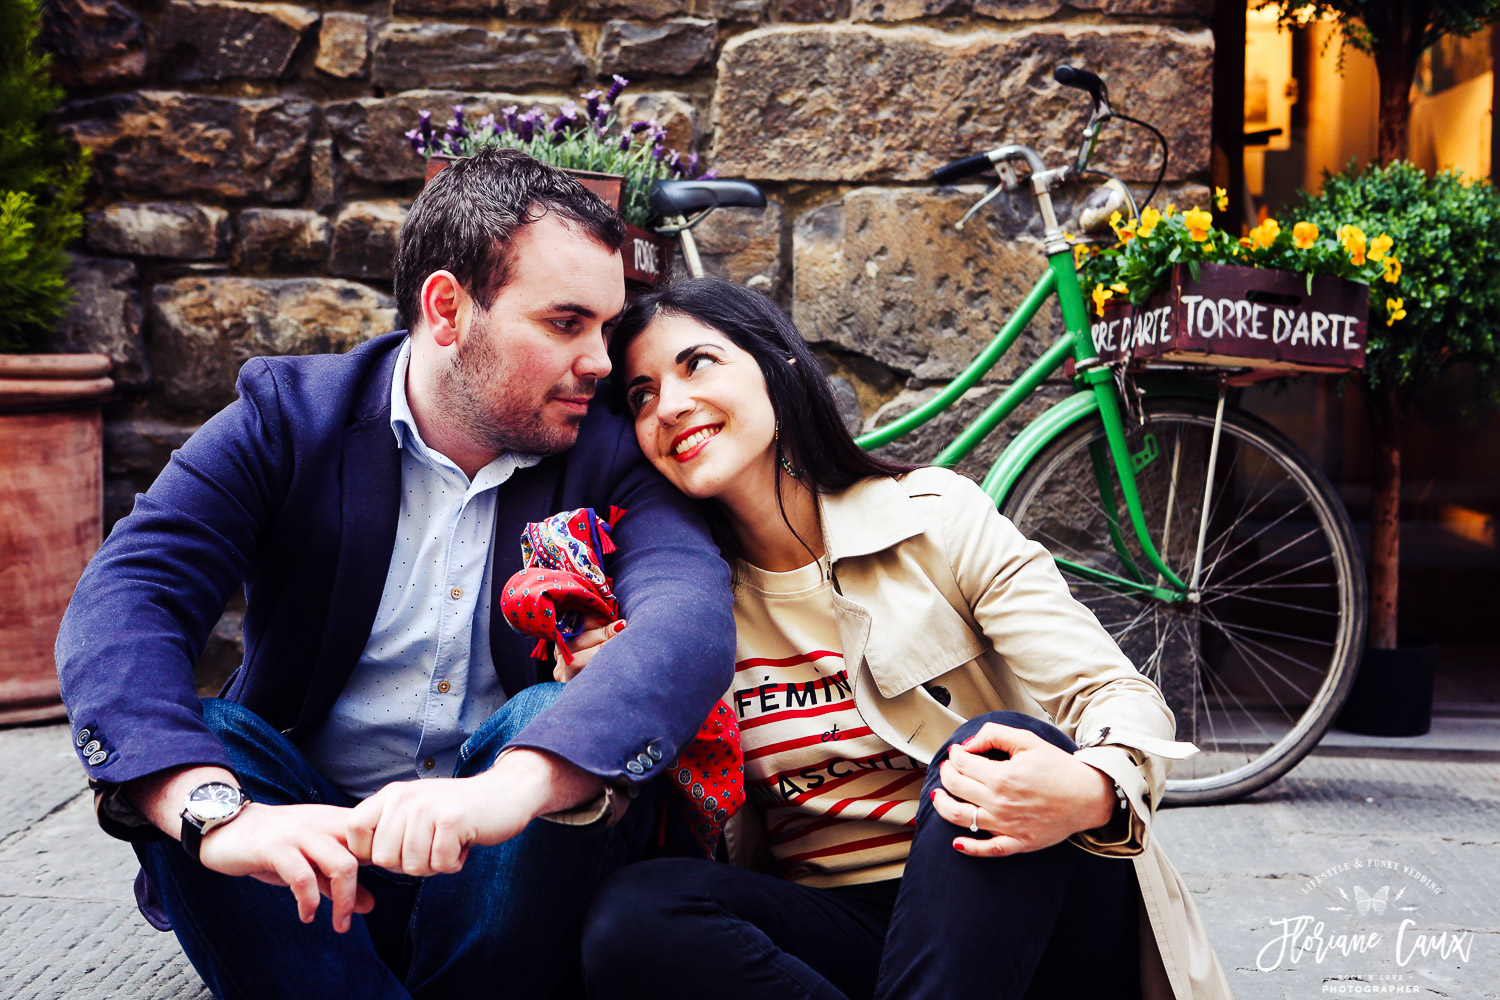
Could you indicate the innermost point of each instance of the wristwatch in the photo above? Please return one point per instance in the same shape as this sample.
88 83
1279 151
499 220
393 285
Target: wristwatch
210 805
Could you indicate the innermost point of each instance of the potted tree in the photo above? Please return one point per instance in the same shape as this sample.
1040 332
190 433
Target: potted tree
615 160
1395 33
1448 312
51 437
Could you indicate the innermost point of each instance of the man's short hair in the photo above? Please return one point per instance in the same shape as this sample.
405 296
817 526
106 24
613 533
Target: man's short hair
464 219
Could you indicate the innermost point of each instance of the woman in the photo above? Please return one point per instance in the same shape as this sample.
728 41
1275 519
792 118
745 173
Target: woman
888 620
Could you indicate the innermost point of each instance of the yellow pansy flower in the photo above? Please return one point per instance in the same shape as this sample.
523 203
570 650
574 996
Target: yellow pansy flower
1197 222
1119 288
1101 296
1304 235
1126 234
1392 270
1395 309
1246 242
1221 199
1380 246
1353 239
1149 219
1265 234
1080 254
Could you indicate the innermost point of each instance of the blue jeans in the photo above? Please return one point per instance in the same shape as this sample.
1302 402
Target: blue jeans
1059 922
507 925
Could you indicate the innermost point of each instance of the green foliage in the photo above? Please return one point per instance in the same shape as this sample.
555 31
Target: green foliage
1373 25
42 180
1140 264
1447 233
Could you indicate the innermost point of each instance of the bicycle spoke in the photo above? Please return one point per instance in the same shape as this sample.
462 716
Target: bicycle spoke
1268 601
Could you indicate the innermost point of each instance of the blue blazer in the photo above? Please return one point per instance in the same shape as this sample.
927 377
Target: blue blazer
292 492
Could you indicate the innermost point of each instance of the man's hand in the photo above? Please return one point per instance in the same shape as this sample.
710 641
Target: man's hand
301 847
427 826
583 646
1039 797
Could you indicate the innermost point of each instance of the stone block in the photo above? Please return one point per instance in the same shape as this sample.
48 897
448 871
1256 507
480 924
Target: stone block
671 48
229 40
176 144
808 11
174 230
642 10
922 445
408 55
204 329
461 8
344 45
744 245
94 43
908 10
137 448
673 112
874 103
105 318
1150 8
1018 10
280 239
533 10
368 132
882 273
735 11
364 239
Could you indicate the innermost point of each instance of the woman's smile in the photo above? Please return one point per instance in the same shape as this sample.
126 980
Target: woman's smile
689 444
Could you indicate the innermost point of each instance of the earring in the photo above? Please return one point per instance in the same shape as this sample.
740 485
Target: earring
786 466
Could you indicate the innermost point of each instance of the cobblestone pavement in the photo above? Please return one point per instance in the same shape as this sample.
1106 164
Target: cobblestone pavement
1431 827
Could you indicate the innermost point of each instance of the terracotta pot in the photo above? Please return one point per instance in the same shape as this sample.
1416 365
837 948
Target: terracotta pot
645 254
51 514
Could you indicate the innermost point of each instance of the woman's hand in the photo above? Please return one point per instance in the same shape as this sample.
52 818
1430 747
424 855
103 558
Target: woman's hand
1039 797
583 647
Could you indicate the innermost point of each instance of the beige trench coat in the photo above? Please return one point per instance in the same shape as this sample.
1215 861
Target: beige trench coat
934 589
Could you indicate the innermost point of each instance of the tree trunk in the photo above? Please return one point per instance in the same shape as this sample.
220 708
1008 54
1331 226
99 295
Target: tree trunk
1396 69
1385 528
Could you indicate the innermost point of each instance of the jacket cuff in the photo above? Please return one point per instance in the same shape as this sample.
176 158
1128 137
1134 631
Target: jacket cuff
1127 833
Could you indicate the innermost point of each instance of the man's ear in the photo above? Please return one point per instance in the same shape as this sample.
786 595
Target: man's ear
443 300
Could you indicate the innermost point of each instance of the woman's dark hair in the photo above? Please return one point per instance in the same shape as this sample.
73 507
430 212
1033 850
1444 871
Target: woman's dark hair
811 435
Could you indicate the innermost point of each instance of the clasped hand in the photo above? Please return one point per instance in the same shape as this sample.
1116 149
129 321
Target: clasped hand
1040 796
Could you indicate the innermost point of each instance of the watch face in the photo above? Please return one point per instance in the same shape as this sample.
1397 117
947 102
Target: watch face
214 800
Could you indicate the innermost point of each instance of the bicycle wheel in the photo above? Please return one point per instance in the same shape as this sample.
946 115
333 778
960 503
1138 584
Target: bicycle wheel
1256 669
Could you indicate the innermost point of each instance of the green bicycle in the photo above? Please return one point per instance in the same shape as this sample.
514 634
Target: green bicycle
1210 546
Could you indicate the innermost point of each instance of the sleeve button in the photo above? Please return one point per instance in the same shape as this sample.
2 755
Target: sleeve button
97 757
91 748
634 767
82 737
654 751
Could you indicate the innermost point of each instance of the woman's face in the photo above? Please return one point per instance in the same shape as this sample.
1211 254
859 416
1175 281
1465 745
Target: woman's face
702 414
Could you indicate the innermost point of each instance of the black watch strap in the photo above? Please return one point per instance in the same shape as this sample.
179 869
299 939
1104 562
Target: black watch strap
193 831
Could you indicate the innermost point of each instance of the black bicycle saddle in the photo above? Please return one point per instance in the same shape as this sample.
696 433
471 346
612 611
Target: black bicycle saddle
668 198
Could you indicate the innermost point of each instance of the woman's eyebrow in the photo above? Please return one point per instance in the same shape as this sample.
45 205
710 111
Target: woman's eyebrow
637 381
686 352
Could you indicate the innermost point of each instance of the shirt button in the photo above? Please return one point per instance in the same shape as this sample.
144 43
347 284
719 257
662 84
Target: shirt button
429 763
443 687
457 592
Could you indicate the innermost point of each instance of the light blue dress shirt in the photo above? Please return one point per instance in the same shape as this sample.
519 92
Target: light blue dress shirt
425 680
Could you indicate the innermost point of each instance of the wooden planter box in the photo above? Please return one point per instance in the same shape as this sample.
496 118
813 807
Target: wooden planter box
1241 317
646 255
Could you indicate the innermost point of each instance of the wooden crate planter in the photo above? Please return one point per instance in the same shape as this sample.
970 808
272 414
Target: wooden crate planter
1241 317
646 256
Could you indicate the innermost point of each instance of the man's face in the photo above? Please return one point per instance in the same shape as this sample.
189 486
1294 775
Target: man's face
525 368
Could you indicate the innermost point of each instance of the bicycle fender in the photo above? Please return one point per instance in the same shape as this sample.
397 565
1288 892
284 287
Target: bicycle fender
1032 439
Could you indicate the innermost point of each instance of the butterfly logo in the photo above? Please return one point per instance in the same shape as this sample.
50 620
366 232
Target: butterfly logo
1366 902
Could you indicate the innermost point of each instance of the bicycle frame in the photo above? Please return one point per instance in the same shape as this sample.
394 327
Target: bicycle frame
1097 394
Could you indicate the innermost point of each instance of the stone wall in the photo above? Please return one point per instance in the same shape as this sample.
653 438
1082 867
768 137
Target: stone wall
252 172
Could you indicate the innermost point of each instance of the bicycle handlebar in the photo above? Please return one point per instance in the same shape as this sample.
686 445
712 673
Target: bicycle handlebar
1082 79
960 169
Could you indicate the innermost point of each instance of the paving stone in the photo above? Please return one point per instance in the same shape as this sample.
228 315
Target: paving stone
230 40
174 230
673 48
174 144
408 55
875 103
344 45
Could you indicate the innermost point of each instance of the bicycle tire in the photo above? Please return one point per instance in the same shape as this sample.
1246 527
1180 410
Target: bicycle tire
1277 688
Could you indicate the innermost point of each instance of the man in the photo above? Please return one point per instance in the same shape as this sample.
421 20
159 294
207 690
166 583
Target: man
371 505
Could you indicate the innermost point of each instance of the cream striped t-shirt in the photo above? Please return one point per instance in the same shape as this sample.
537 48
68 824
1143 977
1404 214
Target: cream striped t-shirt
840 803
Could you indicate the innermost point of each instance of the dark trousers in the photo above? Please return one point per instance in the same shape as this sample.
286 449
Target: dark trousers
1054 923
507 925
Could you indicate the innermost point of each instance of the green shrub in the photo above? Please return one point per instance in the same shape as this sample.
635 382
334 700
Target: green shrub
1447 233
42 179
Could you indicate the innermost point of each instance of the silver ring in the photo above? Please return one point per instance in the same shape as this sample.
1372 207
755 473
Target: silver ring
974 824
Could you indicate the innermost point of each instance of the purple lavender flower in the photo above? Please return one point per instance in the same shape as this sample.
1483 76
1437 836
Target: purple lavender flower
456 130
418 144
709 175
691 169
486 125
591 100
624 143
658 152
512 124
526 126
614 89
558 138
638 127
424 123
674 163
